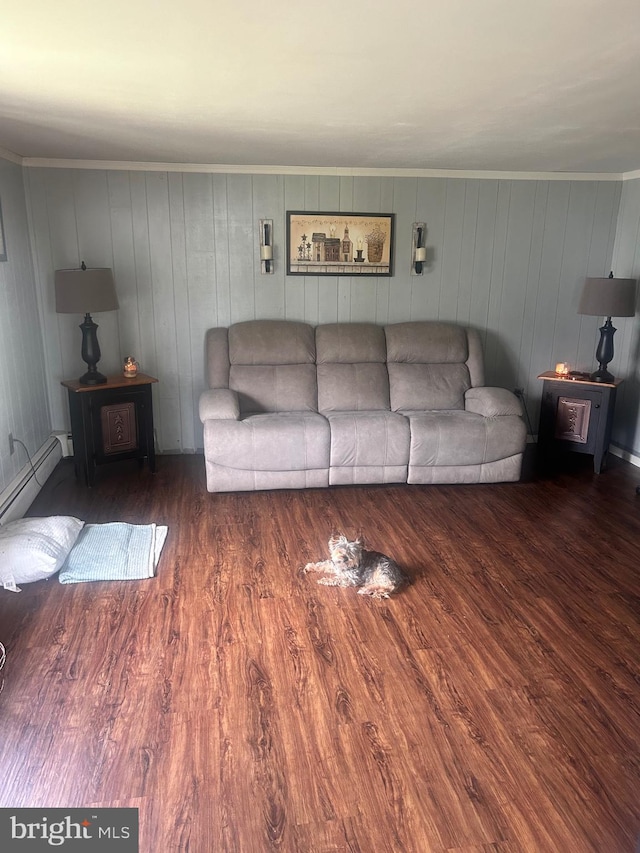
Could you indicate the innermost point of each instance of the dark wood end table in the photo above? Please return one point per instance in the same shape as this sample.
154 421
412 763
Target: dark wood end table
110 422
576 415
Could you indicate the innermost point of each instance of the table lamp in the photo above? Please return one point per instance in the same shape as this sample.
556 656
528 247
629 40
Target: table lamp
607 297
81 291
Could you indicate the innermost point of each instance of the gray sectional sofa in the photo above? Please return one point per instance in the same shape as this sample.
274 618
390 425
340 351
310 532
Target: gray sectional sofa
291 406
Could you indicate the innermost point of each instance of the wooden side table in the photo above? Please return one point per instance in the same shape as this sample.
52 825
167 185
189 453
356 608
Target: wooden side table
111 422
576 415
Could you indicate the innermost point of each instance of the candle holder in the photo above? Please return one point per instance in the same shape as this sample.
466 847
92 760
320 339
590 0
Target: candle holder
130 367
266 247
418 249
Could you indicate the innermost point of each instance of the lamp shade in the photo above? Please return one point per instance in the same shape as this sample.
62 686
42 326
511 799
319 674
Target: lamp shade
608 297
85 291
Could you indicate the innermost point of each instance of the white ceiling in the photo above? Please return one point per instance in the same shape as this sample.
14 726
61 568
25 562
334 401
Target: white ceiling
542 85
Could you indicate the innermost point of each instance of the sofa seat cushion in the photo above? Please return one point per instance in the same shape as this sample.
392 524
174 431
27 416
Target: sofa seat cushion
463 438
269 442
361 439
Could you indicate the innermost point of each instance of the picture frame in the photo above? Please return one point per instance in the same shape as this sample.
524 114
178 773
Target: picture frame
340 243
3 245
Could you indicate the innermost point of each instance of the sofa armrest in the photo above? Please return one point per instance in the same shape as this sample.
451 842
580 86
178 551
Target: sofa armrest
492 402
219 404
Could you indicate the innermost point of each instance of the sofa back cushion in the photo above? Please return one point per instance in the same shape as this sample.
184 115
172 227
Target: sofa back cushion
272 366
427 366
217 357
352 374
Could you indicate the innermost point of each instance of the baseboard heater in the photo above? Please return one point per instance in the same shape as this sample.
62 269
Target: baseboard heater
18 496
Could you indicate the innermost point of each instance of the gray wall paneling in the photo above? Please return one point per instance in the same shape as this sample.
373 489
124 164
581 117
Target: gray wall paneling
504 256
626 264
163 315
294 285
366 197
328 199
24 407
269 300
201 299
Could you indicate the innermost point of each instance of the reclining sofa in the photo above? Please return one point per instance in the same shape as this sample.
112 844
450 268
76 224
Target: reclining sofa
291 406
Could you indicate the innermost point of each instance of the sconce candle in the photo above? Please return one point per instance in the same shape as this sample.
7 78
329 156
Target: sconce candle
418 248
130 368
266 246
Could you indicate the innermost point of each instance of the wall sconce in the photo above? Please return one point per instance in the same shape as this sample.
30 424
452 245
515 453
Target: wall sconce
418 249
266 246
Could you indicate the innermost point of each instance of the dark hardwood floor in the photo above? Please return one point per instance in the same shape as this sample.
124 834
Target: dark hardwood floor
493 705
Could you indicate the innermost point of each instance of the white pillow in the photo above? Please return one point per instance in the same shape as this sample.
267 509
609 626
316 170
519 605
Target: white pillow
32 549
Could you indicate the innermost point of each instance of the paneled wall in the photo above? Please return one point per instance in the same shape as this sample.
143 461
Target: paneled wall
24 410
626 264
507 257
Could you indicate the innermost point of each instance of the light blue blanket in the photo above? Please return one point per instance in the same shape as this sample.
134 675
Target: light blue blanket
114 551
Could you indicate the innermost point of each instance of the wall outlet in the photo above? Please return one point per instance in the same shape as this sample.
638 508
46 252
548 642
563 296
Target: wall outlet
11 445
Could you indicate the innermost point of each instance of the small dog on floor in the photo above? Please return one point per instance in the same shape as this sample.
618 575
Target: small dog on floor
351 564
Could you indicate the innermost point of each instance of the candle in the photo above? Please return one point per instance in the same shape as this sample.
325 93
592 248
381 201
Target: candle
421 254
562 369
266 253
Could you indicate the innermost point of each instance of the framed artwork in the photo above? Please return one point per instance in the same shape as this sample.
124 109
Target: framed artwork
320 243
3 245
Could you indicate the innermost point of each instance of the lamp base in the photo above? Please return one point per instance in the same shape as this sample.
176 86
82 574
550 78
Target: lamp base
93 378
602 375
604 353
91 353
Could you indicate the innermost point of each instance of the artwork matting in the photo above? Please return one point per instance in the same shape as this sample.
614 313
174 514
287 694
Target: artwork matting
332 243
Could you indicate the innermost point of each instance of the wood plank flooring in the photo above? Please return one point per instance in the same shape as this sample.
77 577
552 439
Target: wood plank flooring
493 705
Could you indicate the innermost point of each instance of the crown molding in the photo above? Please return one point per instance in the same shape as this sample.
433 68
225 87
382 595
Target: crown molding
5 154
339 171
631 176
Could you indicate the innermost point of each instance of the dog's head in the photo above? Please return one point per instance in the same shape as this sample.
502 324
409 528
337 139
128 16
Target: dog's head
346 554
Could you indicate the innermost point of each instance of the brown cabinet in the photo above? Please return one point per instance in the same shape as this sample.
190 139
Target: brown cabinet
110 422
576 415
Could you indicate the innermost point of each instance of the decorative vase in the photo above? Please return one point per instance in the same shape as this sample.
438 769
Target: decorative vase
374 252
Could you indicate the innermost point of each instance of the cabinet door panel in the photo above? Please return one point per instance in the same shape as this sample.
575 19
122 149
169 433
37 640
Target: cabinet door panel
119 428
